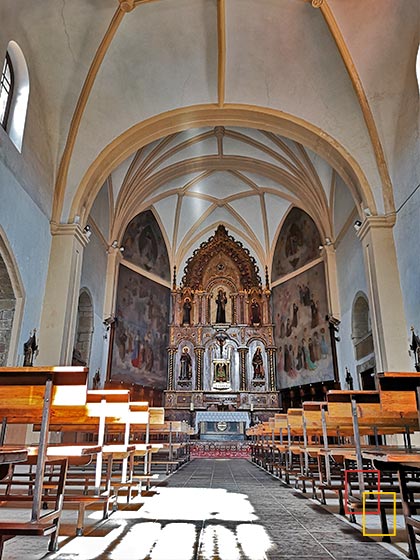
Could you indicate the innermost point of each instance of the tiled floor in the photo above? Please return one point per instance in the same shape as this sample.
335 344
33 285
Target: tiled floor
215 510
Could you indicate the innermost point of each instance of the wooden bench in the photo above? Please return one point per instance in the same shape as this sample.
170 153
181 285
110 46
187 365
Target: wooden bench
28 395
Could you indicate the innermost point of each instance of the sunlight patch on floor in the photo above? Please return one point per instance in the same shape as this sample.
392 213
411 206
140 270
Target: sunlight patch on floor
138 542
176 542
199 503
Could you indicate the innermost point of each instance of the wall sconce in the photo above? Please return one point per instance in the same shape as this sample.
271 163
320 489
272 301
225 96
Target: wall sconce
114 245
357 225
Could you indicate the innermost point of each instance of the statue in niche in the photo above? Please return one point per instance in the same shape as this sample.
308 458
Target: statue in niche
186 312
258 364
221 302
186 365
255 312
30 350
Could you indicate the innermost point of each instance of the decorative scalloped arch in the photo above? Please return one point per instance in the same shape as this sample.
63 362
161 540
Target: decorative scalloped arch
221 242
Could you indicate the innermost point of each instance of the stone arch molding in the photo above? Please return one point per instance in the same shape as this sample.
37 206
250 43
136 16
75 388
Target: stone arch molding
12 271
245 116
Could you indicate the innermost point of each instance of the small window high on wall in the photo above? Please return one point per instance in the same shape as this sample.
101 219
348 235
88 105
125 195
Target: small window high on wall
14 94
6 91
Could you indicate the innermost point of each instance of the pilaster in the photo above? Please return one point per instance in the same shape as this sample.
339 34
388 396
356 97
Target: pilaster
59 311
389 326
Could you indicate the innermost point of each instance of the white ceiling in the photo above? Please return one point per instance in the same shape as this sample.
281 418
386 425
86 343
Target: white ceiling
245 179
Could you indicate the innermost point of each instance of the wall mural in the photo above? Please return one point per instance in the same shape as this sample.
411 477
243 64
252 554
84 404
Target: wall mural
141 336
298 244
301 332
144 245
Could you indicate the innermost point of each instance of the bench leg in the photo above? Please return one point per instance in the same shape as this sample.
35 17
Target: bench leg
80 520
341 504
384 525
53 544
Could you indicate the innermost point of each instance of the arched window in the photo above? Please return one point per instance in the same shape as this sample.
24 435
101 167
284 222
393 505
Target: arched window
6 90
14 94
418 67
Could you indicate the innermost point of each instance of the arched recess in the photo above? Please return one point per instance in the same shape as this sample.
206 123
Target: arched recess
363 341
361 327
12 298
198 116
84 329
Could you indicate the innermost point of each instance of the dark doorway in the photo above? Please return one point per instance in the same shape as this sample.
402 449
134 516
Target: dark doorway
367 379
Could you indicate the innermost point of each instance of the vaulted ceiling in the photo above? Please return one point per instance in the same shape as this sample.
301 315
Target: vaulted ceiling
274 93
245 179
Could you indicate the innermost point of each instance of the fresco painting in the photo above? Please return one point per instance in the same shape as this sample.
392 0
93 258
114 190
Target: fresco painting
141 335
297 245
145 247
301 331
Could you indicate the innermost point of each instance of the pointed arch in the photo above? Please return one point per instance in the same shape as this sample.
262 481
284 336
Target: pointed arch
12 298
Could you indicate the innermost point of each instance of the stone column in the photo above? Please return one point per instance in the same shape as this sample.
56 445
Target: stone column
198 302
243 352
332 280
171 368
389 326
271 352
59 310
112 268
199 355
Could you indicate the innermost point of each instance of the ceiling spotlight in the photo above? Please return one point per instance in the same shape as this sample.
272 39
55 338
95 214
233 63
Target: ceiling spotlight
87 231
367 211
328 241
121 249
114 244
357 225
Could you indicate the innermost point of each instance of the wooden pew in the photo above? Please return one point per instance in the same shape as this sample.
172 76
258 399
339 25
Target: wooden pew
28 395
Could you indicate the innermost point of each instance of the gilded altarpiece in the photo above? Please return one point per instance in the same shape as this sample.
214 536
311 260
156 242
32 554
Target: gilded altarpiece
222 351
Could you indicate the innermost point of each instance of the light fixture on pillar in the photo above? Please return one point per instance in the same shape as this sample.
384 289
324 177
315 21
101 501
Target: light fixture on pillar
87 231
114 245
367 211
357 225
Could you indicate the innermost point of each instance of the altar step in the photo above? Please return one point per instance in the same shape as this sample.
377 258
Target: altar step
220 450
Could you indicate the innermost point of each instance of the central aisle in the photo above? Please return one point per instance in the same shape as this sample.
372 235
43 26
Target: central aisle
223 510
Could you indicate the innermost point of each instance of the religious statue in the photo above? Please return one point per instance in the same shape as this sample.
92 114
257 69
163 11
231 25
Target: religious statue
221 302
220 374
186 312
258 364
186 364
30 350
255 312
96 381
415 348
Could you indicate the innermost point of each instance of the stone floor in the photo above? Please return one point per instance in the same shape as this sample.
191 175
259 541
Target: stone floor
213 510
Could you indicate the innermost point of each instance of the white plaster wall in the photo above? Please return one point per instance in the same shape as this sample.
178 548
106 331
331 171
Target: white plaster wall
407 242
27 230
351 279
101 209
93 278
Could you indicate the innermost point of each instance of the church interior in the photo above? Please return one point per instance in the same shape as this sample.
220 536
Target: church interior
209 299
